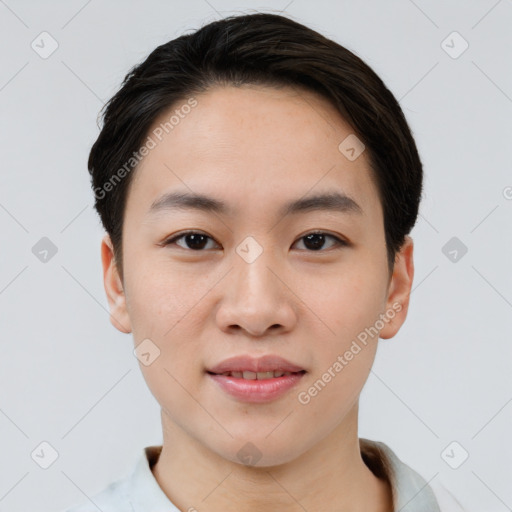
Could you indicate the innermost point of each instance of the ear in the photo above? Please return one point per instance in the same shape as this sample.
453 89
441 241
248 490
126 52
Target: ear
399 290
114 288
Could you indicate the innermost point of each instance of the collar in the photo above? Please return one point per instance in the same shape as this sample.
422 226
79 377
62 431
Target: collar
411 492
143 492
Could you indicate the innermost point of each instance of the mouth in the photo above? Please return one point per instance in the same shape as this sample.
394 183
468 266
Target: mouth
255 368
256 387
255 380
248 375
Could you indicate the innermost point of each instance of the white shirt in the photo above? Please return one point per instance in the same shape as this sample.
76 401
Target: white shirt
140 492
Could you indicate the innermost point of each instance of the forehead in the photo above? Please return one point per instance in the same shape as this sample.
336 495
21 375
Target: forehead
253 143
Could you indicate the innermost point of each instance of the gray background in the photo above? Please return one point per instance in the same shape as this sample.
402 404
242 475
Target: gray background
68 378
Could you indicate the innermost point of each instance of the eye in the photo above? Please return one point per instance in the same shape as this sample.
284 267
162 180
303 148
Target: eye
195 240
316 240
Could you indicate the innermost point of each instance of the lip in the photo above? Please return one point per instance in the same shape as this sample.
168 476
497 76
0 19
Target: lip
256 391
267 363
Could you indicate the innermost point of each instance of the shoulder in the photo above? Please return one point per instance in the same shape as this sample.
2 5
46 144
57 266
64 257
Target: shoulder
411 492
137 492
112 498
447 502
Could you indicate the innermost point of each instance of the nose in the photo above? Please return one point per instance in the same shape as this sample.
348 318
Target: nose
256 298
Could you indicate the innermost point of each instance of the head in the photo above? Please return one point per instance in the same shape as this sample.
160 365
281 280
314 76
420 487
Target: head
260 116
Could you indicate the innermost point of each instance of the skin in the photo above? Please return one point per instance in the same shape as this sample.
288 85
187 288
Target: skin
256 148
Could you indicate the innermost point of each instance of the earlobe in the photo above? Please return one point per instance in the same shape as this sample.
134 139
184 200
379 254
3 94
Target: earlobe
114 288
397 303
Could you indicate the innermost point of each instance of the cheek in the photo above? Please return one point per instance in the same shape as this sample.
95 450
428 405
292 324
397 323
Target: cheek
351 308
170 321
350 303
164 308
343 363
159 300
169 380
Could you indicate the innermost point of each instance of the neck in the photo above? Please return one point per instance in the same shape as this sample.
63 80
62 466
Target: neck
331 472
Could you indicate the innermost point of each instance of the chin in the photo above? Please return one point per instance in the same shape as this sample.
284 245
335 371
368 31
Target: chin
258 451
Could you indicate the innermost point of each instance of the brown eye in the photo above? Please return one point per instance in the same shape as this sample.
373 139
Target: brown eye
197 241
316 241
192 240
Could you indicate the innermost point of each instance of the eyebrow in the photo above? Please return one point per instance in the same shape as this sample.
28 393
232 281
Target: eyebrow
332 201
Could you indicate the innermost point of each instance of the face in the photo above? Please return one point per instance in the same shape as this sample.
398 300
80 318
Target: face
309 284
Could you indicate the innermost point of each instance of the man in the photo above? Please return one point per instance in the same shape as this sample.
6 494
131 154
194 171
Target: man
258 183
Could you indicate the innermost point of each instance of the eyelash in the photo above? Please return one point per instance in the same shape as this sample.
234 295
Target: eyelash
339 241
